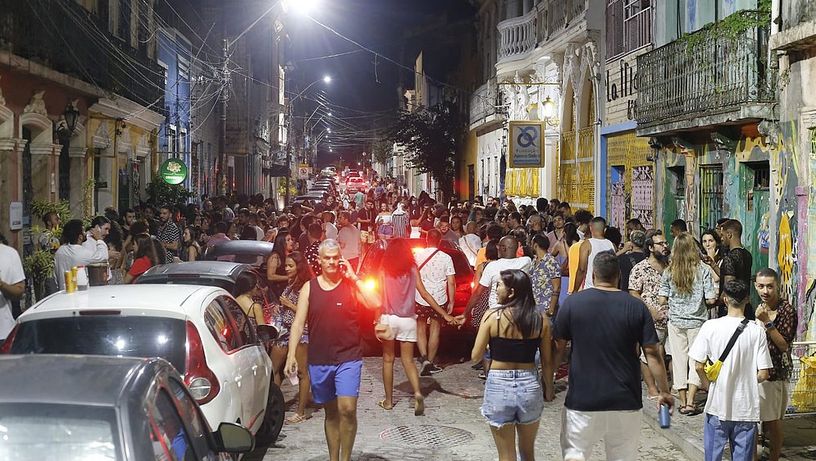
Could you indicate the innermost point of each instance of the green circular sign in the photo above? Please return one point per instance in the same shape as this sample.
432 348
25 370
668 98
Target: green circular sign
173 171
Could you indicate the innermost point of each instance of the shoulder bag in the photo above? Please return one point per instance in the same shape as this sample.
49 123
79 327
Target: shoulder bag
712 370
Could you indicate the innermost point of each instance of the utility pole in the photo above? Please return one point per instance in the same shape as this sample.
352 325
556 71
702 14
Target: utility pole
288 155
222 128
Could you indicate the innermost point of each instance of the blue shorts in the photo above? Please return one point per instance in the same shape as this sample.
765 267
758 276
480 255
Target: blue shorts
332 381
512 397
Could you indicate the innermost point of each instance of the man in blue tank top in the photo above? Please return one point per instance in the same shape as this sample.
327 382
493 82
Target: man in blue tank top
330 304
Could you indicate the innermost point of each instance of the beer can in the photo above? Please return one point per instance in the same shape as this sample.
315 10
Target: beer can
69 281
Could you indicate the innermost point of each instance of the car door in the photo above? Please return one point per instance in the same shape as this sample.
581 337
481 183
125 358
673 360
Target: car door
254 370
168 435
197 428
222 327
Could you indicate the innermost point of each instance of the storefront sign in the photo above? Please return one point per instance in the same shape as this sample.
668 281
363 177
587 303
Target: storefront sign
304 171
173 171
16 215
526 145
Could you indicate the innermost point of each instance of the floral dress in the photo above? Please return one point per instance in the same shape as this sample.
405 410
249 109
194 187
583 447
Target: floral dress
283 317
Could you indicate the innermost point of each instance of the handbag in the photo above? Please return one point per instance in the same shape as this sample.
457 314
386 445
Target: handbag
712 370
382 330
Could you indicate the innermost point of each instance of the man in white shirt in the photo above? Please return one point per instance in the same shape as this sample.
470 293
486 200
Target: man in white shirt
470 243
732 408
348 236
438 275
589 249
329 229
508 248
12 286
73 253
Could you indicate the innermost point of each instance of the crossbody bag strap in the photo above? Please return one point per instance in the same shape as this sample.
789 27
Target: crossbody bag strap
428 259
733 340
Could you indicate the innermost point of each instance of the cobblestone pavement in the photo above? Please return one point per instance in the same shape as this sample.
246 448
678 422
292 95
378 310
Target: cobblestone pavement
452 408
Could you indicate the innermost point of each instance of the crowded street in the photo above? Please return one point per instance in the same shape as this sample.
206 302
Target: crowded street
454 230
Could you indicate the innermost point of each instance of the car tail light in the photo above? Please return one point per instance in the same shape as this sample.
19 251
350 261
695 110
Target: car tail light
198 377
6 347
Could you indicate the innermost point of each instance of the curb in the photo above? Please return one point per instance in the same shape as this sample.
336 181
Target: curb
690 444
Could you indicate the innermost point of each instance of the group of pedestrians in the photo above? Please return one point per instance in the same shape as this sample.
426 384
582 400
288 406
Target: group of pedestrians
551 286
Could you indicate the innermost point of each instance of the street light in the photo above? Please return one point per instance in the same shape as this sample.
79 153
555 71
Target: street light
327 79
302 7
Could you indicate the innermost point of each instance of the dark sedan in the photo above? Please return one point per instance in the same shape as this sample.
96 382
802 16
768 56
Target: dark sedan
220 274
76 408
252 252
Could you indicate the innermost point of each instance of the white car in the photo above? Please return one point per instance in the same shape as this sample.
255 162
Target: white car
201 330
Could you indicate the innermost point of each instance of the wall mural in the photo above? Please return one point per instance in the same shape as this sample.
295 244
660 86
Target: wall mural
643 195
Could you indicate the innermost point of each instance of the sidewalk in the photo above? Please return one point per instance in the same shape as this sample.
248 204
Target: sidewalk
452 430
686 432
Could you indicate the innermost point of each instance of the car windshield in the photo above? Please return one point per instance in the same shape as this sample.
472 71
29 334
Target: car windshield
113 335
38 431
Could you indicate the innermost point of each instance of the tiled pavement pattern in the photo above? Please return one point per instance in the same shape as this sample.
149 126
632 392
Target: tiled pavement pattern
452 409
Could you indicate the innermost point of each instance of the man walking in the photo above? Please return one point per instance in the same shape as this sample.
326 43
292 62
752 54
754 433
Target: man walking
438 275
508 249
779 319
348 236
736 264
604 399
732 408
329 303
590 248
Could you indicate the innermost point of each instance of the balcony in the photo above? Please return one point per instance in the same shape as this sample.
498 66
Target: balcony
704 79
484 103
65 37
520 36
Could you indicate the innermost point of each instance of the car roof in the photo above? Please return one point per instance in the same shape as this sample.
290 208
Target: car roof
72 379
236 247
204 268
167 299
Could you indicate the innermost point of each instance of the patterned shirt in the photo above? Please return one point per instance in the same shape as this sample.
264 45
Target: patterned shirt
786 322
169 233
284 317
313 258
544 270
688 310
646 280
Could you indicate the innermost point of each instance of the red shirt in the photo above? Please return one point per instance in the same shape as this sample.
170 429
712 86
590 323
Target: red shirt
139 267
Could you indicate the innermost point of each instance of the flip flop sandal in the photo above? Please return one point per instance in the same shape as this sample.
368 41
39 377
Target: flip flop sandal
381 404
684 410
296 419
694 411
419 406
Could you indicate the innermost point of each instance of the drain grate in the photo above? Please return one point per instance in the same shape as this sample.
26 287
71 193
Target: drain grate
426 436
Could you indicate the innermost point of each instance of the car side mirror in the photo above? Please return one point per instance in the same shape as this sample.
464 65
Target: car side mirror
267 333
233 438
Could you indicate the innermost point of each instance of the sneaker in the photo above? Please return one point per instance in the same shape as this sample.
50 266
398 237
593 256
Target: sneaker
434 369
426 368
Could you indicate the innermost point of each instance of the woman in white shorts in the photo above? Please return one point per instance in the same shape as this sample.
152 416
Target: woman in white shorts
399 283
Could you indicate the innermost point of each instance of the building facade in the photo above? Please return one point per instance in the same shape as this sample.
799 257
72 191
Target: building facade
92 58
175 55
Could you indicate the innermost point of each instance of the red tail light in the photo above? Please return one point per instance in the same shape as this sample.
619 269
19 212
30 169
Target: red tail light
6 347
198 377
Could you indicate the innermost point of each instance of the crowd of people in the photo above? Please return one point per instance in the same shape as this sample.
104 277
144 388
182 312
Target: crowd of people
552 286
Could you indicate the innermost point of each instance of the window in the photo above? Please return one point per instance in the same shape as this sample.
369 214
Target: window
222 328
168 436
123 28
245 329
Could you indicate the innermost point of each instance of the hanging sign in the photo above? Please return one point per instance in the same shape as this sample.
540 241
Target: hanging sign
526 145
173 171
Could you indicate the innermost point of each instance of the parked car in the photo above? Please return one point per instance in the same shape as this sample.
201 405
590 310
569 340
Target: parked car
356 183
221 274
252 252
202 331
371 268
77 408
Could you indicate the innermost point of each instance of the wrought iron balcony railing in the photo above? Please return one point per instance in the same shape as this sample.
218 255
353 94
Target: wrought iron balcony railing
484 102
65 37
705 74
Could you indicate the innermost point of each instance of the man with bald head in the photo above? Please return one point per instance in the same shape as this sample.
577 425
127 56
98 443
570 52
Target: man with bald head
508 247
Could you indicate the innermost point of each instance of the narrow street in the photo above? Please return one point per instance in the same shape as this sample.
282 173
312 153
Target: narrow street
452 430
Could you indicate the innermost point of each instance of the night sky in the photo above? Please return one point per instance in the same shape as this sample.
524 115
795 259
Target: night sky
361 94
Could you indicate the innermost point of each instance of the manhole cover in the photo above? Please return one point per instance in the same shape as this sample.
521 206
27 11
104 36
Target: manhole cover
426 436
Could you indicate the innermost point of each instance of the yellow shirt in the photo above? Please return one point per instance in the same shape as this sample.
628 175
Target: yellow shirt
574 255
481 256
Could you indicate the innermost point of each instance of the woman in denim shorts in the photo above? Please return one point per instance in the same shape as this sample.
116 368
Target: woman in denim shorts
513 397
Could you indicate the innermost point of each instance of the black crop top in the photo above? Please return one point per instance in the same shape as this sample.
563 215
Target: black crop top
511 349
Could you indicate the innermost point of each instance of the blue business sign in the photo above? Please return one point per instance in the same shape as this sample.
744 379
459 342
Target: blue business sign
526 145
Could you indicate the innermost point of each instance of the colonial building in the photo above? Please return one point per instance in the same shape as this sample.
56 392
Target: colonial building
792 142
703 93
81 91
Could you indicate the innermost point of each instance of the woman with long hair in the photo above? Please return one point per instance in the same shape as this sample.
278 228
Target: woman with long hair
456 226
144 257
561 253
513 396
190 249
399 283
686 287
298 274
247 291
712 244
275 270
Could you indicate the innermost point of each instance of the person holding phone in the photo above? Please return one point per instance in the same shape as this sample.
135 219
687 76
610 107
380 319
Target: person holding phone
330 303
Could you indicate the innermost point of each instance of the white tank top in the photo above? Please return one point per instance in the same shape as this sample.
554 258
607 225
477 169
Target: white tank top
598 246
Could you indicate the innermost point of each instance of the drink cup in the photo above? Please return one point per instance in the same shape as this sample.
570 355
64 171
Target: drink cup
664 417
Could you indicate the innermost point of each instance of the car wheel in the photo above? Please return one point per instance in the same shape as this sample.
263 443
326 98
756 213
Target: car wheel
273 417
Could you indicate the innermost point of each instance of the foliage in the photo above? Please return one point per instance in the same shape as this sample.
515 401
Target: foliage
431 138
293 192
731 28
40 208
160 193
38 267
381 151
